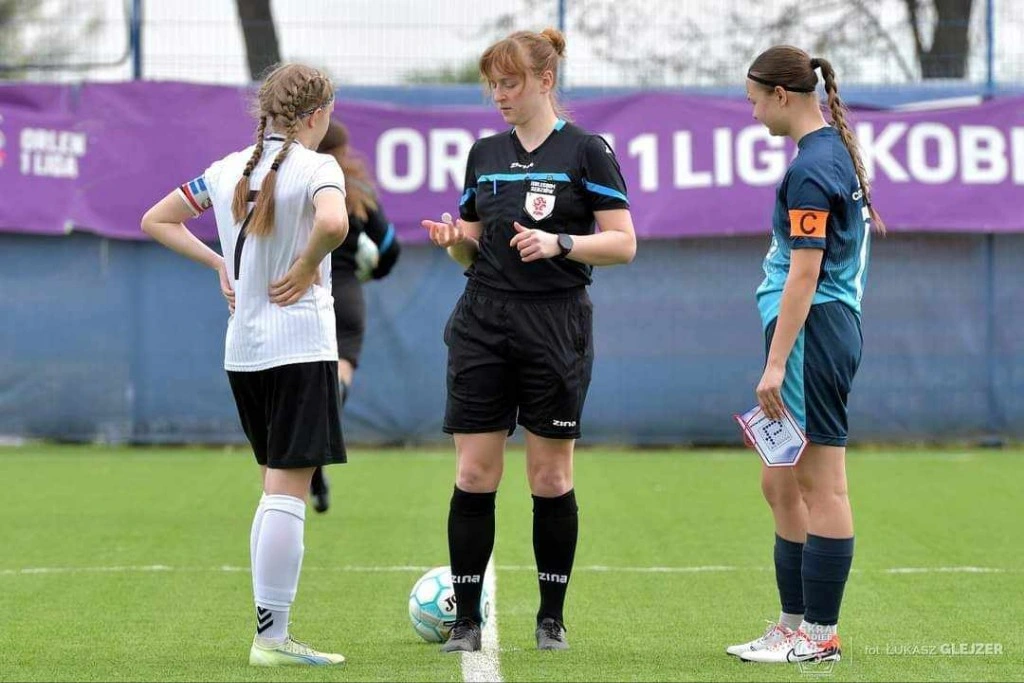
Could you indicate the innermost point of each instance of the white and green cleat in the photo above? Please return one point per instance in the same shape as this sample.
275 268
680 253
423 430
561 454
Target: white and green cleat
290 653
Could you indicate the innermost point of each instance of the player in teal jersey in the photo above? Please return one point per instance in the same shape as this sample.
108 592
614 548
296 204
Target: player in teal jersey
809 301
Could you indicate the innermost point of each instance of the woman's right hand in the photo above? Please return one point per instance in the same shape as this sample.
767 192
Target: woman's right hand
445 233
295 283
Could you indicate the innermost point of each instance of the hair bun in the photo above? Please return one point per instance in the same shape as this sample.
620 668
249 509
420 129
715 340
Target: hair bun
556 38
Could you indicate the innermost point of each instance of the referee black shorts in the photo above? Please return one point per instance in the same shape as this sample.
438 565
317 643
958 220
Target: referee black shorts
519 357
290 414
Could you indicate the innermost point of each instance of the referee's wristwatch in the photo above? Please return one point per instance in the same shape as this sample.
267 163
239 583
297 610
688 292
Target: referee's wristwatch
565 245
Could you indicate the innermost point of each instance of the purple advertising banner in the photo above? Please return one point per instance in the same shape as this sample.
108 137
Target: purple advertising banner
94 157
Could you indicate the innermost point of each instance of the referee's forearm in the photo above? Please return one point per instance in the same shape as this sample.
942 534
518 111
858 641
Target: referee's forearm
464 253
607 248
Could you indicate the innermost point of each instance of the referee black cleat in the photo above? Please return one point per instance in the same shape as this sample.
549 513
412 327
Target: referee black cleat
465 637
319 491
551 635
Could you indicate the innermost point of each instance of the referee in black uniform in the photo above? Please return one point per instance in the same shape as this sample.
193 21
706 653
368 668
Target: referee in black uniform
520 347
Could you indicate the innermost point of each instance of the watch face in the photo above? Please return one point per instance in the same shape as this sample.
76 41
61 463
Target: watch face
565 243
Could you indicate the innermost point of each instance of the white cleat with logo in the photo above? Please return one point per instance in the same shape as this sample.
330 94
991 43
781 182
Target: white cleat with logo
800 648
775 636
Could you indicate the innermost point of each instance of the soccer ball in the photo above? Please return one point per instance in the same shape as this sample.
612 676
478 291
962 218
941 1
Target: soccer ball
432 605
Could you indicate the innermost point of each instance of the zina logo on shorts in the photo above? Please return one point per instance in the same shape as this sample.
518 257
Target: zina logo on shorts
563 423
466 578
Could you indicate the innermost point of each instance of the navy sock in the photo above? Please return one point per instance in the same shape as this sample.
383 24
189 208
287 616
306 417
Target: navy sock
555 529
826 566
788 559
470 542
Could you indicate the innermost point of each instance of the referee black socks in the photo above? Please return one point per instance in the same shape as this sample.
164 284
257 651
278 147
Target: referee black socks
555 529
470 542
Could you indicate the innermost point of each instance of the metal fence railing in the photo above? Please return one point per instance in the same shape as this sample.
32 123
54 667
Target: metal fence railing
64 39
611 43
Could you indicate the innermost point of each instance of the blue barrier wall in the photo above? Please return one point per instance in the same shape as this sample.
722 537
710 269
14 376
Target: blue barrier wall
122 342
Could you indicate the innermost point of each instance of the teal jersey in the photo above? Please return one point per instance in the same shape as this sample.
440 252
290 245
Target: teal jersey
819 205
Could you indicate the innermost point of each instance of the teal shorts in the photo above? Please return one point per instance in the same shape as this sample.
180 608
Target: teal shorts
820 371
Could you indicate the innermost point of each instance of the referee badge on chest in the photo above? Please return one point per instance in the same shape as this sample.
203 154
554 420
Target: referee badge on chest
540 199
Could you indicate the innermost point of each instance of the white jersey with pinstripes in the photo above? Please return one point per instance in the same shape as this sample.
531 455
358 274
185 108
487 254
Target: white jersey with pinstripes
262 334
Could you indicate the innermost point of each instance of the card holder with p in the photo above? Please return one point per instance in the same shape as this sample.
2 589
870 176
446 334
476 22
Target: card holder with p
780 443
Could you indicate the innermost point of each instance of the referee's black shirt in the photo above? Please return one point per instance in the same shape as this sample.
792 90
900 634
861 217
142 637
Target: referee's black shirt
556 188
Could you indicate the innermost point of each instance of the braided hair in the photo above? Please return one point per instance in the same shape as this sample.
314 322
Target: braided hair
794 70
288 94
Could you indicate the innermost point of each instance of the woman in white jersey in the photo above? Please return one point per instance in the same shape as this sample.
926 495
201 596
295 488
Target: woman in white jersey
280 210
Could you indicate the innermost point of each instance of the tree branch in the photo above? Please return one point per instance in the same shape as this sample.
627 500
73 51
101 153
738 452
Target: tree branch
887 37
919 50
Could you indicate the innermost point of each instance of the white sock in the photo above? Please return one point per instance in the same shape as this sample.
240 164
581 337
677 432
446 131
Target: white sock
791 621
254 534
819 633
277 563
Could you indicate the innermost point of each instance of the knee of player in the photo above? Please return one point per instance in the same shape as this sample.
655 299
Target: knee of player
475 477
820 489
550 482
780 489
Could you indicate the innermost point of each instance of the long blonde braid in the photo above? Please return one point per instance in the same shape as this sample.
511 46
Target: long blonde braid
290 92
241 199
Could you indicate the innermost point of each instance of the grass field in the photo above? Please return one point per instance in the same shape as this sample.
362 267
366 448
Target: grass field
132 564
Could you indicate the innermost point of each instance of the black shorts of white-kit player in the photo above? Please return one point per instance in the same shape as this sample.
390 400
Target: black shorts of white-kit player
520 338
291 414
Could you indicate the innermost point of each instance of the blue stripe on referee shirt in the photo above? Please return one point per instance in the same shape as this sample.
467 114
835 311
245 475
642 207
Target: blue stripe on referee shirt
513 177
606 191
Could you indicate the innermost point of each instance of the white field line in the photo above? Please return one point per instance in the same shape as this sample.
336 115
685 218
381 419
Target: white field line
484 666
366 569
947 570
